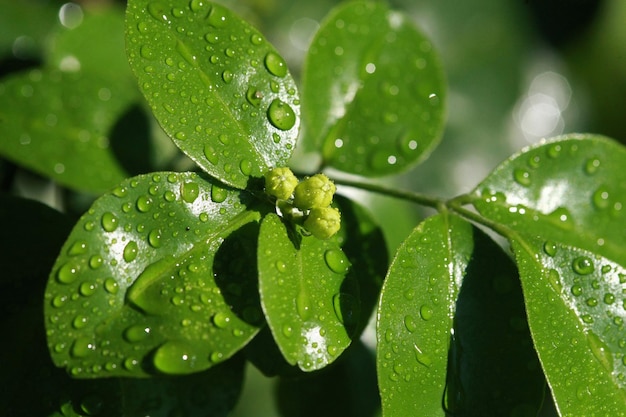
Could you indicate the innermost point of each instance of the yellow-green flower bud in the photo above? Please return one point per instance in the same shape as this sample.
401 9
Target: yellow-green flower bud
314 192
280 183
324 222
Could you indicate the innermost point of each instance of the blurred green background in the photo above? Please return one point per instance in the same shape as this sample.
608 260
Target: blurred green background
518 71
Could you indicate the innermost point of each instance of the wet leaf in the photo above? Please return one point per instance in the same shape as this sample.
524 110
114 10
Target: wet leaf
576 315
363 54
450 286
217 87
58 124
152 280
571 189
310 307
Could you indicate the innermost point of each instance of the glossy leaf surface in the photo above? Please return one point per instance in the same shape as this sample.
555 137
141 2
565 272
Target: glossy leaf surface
451 287
373 91
58 124
310 307
151 280
217 87
576 314
570 190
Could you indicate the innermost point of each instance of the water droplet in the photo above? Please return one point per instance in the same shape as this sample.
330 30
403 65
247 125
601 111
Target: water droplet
169 196
281 115
174 357
592 165
59 301
562 217
583 265
144 203
410 324
146 52
601 198
68 273
154 238
120 192
275 64
550 248
189 191
426 312
197 5
522 177
130 251
211 154
337 261
245 166
281 266
217 17
158 12
87 288
254 96
303 306
608 298
136 333
180 135
204 217
109 222
79 322
218 194
82 347
78 248
422 358
591 302
227 76
554 280
577 290
554 151
221 320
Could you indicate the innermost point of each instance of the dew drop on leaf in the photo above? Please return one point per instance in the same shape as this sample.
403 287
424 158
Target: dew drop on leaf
87 289
136 333
281 115
130 251
275 64
218 194
337 261
426 312
154 238
522 177
77 248
174 357
550 248
583 265
82 347
144 203
221 320
303 306
409 323
217 17
109 222
158 12
68 273
189 191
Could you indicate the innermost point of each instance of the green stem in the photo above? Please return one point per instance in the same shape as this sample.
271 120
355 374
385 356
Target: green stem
418 198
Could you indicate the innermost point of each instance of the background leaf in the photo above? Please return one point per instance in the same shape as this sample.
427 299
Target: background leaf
310 307
451 287
217 87
363 54
571 190
46 116
151 280
576 314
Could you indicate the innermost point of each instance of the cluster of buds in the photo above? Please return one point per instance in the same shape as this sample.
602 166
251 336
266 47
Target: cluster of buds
310 198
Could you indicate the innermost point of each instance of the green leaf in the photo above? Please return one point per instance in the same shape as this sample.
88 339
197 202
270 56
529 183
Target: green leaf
95 46
373 91
59 124
217 87
571 190
145 285
24 26
450 286
310 307
576 313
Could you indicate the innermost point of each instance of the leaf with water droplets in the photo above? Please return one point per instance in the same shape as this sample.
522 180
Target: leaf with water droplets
576 313
373 91
423 300
147 282
217 87
310 306
571 189
59 125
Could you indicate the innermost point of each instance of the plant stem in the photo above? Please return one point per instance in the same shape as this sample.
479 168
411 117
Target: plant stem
414 197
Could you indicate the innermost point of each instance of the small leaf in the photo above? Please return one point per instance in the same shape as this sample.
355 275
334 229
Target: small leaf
373 91
145 285
571 190
217 87
310 307
576 315
58 124
450 286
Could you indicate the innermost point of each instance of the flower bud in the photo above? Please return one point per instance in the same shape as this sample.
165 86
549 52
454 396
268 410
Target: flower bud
280 183
324 222
314 192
